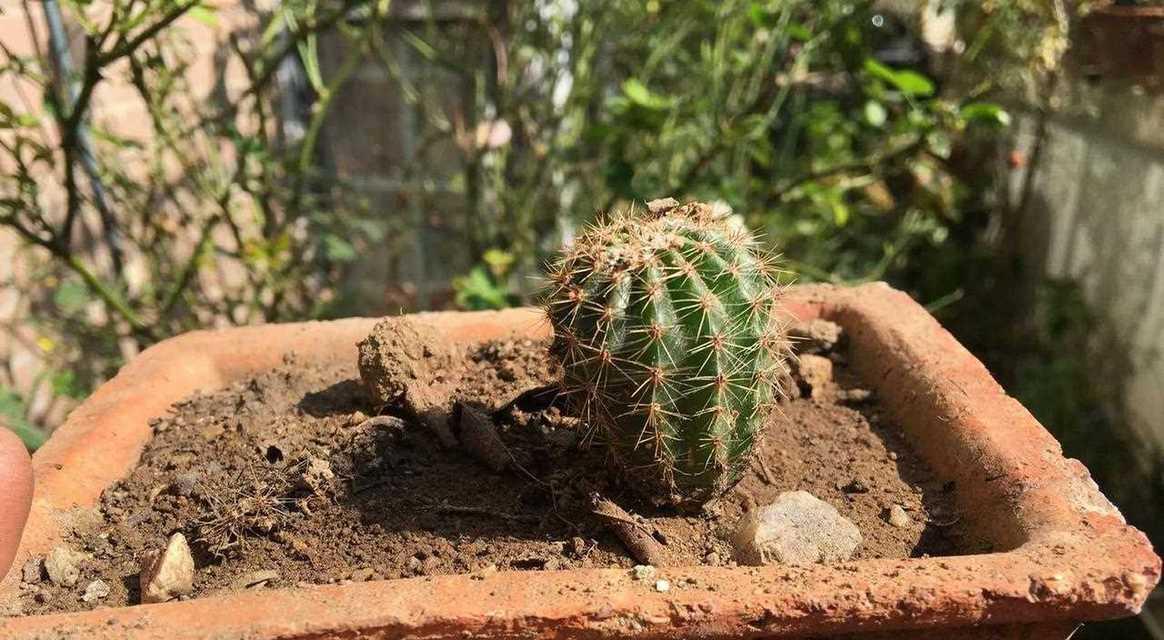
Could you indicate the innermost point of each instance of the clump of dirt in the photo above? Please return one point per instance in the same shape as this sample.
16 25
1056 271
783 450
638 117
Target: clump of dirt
300 476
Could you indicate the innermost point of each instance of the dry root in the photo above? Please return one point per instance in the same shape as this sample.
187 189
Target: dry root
237 509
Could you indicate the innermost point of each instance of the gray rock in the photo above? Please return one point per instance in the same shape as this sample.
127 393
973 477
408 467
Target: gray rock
185 484
796 529
169 573
63 566
898 517
95 591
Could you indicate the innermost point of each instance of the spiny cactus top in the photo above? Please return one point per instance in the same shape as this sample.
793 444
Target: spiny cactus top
668 327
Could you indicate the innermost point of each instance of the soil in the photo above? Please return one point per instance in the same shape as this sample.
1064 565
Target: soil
297 477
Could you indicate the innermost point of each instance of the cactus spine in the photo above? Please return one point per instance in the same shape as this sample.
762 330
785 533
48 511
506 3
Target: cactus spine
669 330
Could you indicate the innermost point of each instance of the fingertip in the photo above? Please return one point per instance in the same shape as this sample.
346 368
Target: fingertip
15 495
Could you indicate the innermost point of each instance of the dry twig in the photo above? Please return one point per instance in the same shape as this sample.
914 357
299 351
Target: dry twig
637 537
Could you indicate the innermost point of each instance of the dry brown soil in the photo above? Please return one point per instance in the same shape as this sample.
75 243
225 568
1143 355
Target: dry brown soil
293 477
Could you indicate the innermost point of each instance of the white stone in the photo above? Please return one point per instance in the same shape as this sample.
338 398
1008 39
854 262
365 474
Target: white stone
63 566
95 591
796 529
662 586
643 571
898 517
167 574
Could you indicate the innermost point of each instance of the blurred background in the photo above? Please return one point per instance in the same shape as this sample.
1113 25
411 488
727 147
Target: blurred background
176 164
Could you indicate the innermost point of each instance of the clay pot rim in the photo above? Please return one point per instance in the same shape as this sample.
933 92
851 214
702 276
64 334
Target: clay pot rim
1073 556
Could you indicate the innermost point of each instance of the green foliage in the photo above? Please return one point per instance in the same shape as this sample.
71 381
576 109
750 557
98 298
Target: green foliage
909 83
486 286
851 167
670 335
12 412
479 290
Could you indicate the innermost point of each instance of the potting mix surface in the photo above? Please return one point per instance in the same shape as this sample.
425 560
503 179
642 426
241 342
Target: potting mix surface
292 478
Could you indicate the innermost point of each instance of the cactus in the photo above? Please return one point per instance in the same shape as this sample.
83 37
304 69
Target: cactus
669 329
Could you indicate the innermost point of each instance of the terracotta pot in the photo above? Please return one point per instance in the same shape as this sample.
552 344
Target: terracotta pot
1069 554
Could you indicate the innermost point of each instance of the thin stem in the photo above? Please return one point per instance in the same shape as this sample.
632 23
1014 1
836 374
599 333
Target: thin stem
865 166
111 299
125 48
189 269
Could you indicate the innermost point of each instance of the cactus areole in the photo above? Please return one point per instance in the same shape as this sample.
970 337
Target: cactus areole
673 345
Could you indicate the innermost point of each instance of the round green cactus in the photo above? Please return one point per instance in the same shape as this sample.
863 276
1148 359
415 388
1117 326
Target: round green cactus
673 345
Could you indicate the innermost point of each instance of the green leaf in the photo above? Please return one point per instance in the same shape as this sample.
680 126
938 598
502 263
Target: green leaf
477 291
204 14
12 410
758 14
878 70
338 249
910 83
914 84
640 95
840 212
798 31
498 261
64 383
71 296
985 113
875 113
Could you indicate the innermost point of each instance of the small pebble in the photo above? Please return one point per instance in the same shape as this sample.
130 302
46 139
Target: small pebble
485 572
855 396
815 336
95 591
185 483
63 566
856 485
363 575
898 517
643 572
815 372
317 476
167 573
662 586
32 571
